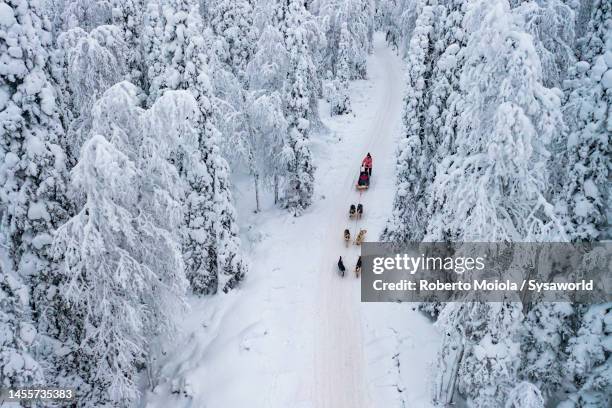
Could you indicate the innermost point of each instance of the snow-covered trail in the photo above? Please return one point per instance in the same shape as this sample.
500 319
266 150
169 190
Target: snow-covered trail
295 333
340 362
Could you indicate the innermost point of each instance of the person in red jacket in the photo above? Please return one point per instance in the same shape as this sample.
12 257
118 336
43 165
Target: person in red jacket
367 163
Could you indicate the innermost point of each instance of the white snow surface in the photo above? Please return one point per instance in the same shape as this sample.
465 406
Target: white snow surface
295 333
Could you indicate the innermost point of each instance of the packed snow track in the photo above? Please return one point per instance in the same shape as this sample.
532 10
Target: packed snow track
296 333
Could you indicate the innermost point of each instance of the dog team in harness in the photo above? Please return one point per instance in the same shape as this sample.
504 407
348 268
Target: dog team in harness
356 212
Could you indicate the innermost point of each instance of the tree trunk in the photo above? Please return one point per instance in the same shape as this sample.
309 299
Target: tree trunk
452 386
275 189
256 180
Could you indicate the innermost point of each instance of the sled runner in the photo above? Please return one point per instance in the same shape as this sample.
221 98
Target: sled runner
360 237
347 237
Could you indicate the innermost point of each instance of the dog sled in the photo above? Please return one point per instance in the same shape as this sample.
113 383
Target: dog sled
363 183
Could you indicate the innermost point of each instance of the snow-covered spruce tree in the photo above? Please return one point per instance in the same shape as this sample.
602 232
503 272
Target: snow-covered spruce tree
544 334
151 40
232 22
340 100
211 243
443 96
298 111
300 169
590 361
128 17
32 178
33 172
588 110
120 253
480 353
497 173
494 186
303 36
357 17
87 65
268 66
17 334
397 18
361 25
525 395
86 14
551 23
415 153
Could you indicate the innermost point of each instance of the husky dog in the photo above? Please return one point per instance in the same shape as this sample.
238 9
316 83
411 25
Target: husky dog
359 211
360 237
352 211
341 267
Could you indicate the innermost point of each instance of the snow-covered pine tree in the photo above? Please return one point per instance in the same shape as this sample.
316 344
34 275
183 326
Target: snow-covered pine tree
551 23
298 111
267 68
232 22
415 152
300 169
120 252
33 174
302 34
211 243
107 275
588 111
479 355
128 17
494 186
590 362
86 14
87 65
151 40
397 18
33 171
443 96
525 395
340 100
544 335
17 333
361 25
357 17
499 188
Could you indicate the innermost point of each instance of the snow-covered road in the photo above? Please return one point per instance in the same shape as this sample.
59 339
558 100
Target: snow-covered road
296 334
340 373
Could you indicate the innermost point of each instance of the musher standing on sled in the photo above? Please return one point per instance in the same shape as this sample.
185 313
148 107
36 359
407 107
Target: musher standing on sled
367 164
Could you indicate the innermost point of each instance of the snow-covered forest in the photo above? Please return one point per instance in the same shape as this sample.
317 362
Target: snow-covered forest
175 175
